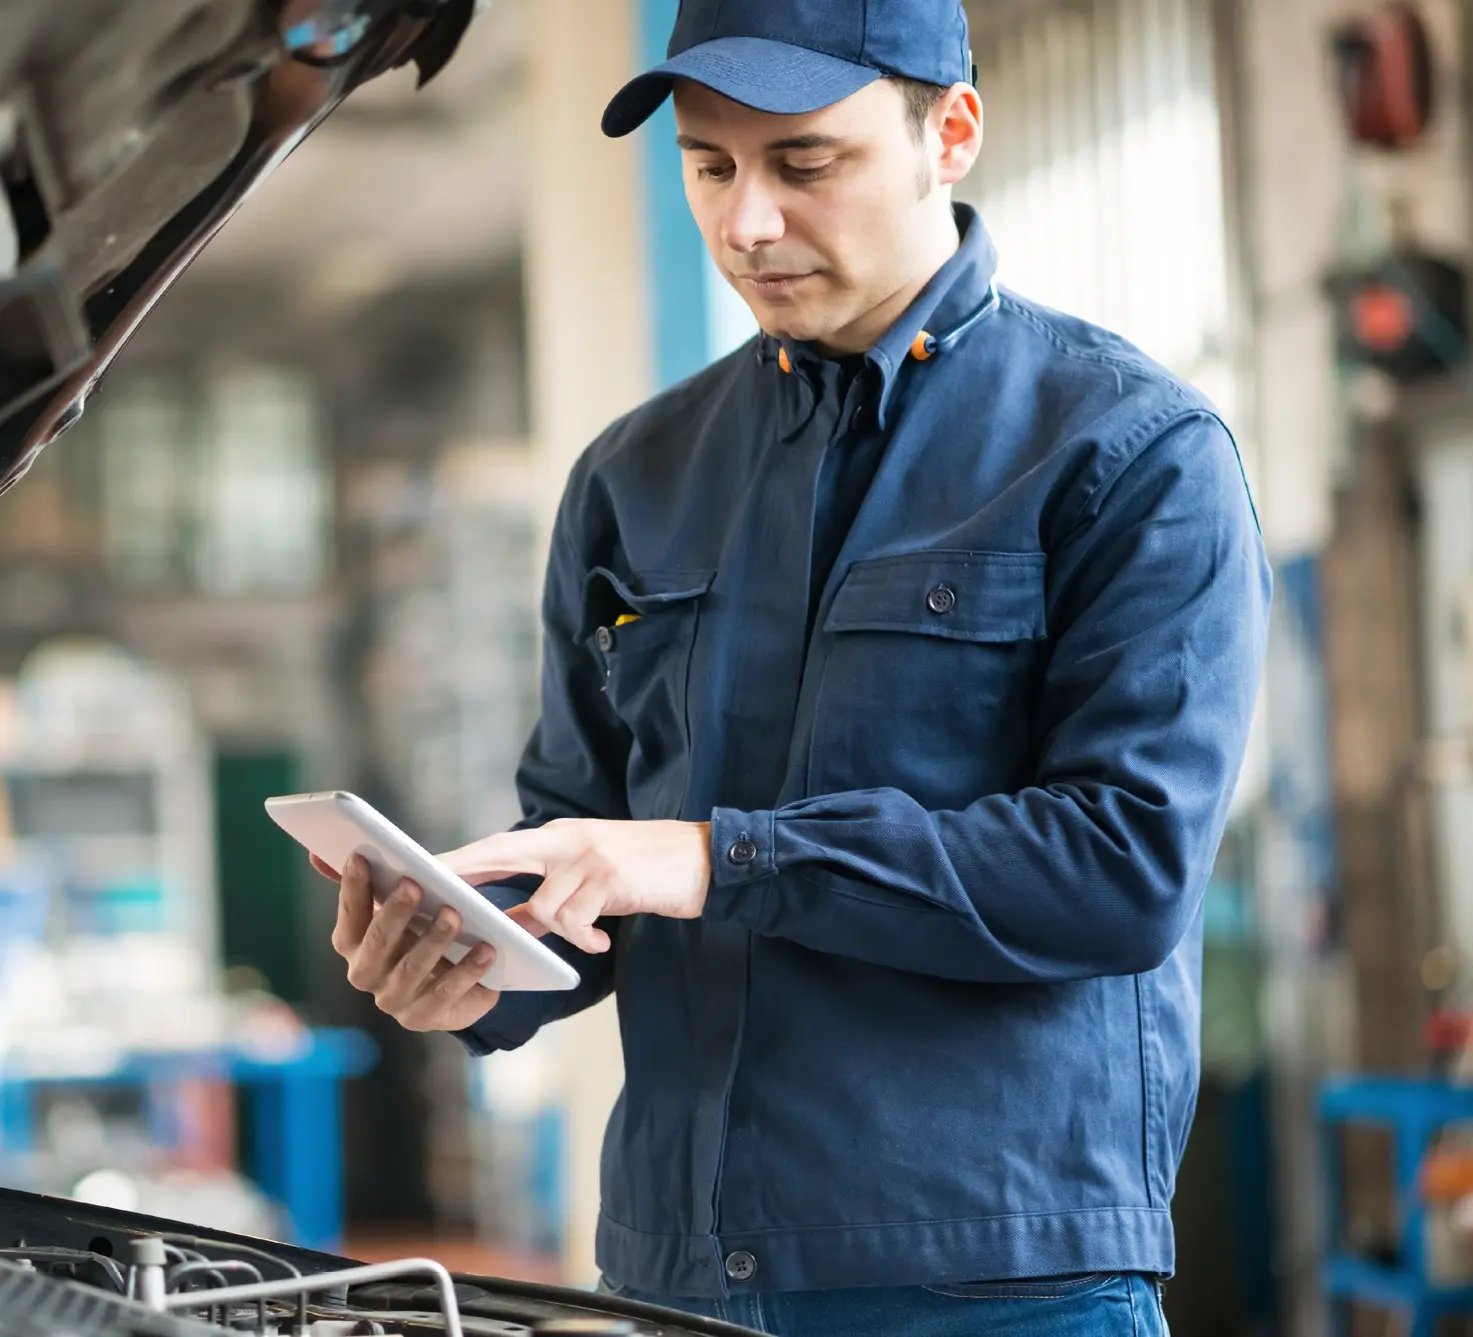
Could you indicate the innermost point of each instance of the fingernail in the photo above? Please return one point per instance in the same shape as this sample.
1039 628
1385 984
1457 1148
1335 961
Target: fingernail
407 893
484 955
354 864
445 919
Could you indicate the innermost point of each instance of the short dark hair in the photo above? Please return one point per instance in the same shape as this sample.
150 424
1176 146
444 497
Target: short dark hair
920 98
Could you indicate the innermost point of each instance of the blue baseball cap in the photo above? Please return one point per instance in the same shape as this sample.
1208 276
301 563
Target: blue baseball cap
793 56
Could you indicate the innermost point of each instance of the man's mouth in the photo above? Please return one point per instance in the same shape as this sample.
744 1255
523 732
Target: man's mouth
775 284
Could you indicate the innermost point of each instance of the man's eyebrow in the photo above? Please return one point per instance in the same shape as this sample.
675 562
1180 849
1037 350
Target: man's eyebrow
793 142
801 142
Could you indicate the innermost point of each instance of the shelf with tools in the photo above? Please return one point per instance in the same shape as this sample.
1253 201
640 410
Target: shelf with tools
124 1066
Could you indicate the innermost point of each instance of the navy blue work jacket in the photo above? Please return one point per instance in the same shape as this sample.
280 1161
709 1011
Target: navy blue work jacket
967 773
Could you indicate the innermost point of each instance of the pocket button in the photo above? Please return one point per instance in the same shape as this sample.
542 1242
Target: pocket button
604 638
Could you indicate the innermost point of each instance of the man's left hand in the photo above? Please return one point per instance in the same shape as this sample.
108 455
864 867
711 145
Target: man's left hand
592 868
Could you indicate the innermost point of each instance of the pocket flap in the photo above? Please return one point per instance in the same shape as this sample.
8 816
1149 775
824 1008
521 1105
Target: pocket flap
606 594
964 596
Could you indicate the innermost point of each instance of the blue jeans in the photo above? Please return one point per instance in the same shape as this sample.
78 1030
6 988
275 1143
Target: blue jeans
1101 1305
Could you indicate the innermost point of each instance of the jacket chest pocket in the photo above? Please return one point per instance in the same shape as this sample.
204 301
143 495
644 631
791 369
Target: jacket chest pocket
642 627
931 672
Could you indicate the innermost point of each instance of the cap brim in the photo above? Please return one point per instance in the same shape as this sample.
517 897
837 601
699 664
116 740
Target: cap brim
758 72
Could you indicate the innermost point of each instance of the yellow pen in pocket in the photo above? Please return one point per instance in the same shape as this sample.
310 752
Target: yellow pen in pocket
624 619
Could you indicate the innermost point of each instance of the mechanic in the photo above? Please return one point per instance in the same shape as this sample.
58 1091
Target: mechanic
898 672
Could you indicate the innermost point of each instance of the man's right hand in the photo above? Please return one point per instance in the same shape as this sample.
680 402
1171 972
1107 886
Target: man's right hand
405 972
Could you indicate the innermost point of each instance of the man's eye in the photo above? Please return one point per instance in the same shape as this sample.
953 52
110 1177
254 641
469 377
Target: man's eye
710 173
806 174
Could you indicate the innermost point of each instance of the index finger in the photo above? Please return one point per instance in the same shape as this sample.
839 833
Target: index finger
522 916
502 856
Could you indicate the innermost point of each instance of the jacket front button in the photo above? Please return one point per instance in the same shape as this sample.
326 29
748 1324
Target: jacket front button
743 852
605 639
941 600
741 1266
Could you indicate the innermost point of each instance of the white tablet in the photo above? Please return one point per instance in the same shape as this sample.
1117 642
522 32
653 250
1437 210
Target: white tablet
334 825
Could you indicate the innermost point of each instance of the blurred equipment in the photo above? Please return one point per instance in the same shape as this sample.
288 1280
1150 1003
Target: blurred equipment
1385 69
129 135
1400 307
1430 1273
92 1272
1405 316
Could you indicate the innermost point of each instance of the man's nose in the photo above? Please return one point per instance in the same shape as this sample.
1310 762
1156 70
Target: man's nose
753 217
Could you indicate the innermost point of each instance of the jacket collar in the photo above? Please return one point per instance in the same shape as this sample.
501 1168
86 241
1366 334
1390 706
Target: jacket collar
959 296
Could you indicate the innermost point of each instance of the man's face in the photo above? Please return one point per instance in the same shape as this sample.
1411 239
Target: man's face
817 220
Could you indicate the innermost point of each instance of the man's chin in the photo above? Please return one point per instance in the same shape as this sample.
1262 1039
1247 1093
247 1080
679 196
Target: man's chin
782 325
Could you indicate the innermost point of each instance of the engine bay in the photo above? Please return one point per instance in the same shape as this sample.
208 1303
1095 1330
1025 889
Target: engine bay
87 1271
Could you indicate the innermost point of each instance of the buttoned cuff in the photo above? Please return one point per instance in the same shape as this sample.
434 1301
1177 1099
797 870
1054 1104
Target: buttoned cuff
515 1019
517 1016
743 858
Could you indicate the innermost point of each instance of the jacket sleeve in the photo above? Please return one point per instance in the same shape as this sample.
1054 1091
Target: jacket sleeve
573 766
1158 611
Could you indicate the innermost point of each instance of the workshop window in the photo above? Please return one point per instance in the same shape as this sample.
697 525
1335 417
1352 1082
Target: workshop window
142 439
1102 174
217 483
261 488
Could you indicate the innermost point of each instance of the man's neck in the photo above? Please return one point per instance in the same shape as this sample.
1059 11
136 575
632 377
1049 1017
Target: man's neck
864 333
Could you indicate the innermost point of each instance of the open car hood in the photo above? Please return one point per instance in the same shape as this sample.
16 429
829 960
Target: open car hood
129 135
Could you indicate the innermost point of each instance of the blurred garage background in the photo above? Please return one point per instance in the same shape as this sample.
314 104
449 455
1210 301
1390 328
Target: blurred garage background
297 543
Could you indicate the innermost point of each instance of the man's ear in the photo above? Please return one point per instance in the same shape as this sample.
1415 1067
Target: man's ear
957 120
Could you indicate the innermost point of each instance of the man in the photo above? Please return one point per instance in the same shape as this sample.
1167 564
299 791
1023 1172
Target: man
898 672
